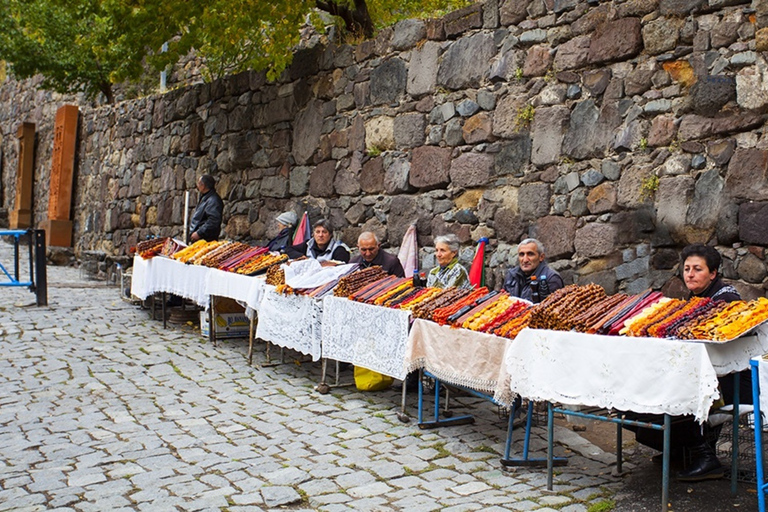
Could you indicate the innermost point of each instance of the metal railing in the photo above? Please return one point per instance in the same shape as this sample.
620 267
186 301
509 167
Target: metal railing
38 280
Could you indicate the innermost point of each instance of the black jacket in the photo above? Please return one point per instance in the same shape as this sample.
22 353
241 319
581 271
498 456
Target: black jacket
281 241
388 262
718 290
517 284
206 220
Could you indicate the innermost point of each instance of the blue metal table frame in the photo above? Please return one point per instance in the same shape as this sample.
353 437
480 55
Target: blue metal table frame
762 487
37 282
467 419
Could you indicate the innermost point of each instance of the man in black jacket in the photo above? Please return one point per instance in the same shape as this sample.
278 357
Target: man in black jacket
206 220
517 282
371 254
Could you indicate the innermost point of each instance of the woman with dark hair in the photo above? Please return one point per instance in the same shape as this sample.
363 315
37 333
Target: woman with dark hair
322 246
699 267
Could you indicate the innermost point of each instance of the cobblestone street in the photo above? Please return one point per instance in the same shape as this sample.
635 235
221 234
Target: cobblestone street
103 409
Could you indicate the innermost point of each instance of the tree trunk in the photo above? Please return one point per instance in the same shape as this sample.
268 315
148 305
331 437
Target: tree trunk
106 90
357 21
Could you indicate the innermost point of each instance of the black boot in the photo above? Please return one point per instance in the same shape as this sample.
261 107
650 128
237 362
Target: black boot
704 465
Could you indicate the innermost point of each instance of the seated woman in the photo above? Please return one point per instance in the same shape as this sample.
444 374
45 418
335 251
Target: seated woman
449 272
699 267
285 223
322 246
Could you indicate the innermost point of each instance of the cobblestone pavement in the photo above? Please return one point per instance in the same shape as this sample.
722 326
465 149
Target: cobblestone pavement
102 409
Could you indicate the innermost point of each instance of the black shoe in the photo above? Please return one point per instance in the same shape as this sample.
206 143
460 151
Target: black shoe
704 466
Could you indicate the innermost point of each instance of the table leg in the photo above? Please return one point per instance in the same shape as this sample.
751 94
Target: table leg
165 326
758 419
250 342
402 416
550 444
619 448
735 445
211 326
665 462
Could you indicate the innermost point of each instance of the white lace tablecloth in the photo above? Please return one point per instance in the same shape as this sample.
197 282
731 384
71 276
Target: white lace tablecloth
160 274
373 337
734 356
290 321
460 356
646 375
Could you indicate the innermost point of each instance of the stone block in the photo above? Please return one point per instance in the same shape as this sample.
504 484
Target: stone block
396 174
752 85
321 179
753 218
408 33
306 132
557 234
274 186
679 7
590 130
711 93
509 226
512 12
372 176
752 269
595 239
549 126
471 170
465 63
538 59
630 192
435 29
596 81
388 81
505 117
409 130
422 69
533 200
514 156
616 40
663 131
603 198
347 180
704 211
747 176
606 279
380 133
298 184
672 199
694 127
721 151
459 21
478 128
430 167
467 108
661 35
573 54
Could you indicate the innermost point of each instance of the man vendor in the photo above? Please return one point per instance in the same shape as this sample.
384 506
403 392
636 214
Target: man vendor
531 267
205 223
371 255
693 445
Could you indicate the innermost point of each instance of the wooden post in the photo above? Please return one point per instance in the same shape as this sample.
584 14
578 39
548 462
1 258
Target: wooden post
58 227
21 215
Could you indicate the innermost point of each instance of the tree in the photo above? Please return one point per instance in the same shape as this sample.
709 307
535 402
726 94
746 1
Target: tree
90 45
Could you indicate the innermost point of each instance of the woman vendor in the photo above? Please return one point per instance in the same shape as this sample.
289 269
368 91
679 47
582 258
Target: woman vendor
285 223
449 272
693 444
322 246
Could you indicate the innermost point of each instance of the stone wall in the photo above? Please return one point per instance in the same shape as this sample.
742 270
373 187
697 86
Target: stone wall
616 132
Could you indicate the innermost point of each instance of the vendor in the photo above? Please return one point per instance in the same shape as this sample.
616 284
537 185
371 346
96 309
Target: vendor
205 223
530 257
691 441
448 272
371 255
322 246
286 221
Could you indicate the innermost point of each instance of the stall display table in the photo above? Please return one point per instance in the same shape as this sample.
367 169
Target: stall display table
290 321
644 375
759 368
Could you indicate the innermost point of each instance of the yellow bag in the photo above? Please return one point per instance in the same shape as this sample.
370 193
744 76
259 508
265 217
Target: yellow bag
369 380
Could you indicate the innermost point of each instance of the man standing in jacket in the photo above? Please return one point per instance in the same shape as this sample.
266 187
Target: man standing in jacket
517 282
206 220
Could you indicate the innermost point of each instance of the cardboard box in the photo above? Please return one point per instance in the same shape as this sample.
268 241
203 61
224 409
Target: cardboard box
226 325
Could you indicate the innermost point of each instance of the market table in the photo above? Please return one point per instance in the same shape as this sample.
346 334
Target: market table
290 321
644 375
166 275
472 361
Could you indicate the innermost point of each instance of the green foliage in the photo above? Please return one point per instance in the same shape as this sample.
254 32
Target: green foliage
648 187
89 45
602 506
643 144
525 117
